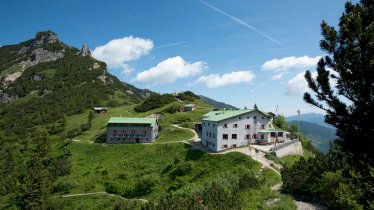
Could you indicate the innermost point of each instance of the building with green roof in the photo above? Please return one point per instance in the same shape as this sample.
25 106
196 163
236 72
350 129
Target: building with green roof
131 130
234 128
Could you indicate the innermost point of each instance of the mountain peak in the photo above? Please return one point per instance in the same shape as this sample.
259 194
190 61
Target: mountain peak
85 51
45 37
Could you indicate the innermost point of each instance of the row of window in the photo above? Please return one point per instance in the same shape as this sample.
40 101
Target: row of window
124 139
235 136
246 126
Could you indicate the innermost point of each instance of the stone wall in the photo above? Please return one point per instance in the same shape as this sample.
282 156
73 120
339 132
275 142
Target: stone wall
292 149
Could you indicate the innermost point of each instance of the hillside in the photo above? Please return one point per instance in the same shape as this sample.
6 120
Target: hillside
43 80
320 136
51 143
216 104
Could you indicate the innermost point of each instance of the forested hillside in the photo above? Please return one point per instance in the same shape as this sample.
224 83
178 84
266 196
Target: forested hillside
44 79
319 136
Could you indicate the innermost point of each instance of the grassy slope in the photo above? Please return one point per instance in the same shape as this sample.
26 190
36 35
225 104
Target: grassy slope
95 164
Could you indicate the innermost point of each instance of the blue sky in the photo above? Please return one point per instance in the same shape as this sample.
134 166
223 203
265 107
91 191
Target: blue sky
240 52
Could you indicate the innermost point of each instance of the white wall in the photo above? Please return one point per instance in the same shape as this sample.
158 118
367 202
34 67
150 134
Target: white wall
241 131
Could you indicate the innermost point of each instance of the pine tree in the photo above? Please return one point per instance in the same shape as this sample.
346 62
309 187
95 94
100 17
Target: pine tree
350 105
350 108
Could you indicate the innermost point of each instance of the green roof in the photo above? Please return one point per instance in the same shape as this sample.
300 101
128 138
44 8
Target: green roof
212 113
133 120
223 115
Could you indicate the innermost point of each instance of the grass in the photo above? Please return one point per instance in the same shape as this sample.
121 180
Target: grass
288 160
166 134
158 168
94 165
170 133
264 198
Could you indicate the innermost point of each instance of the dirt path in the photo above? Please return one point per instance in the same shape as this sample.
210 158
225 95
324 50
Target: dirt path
265 163
96 193
195 138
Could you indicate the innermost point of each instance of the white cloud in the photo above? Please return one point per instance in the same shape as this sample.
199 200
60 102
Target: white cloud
117 52
298 84
216 80
281 66
169 70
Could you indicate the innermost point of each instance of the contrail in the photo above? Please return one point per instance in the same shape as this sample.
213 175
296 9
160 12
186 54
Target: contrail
241 22
168 45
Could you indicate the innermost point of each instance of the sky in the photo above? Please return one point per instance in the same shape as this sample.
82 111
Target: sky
239 52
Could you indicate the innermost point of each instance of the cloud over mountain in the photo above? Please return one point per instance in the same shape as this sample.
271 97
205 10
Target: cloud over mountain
117 52
169 70
283 65
217 80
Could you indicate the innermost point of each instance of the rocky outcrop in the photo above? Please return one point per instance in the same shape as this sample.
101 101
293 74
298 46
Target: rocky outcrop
38 50
5 97
85 51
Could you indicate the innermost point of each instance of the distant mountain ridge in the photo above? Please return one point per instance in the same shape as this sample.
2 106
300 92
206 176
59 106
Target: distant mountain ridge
320 136
310 117
216 104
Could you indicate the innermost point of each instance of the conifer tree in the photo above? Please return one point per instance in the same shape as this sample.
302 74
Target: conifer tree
350 61
349 105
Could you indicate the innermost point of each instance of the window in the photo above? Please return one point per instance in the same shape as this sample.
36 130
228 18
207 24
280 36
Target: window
207 134
235 125
262 117
225 146
248 117
225 126
225 136
272 134
214 135
247 126
214 125
234 136
280 134
247 136
240 118
210 134
234 145
262 126
255 117
208 124
214 145
262 136
204 123
254 136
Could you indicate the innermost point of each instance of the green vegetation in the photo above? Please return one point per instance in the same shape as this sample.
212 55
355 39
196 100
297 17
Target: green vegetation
154 101
167 175
344 178
56 98
288 160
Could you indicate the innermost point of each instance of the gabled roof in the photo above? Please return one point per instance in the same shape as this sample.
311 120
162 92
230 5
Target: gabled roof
133 120
217 116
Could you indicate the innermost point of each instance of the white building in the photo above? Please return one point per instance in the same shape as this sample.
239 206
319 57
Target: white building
234 128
